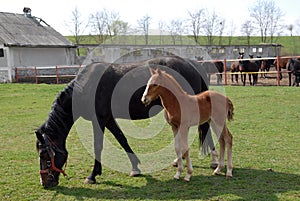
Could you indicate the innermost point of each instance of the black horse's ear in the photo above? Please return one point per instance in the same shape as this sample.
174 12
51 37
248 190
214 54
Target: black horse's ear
40 137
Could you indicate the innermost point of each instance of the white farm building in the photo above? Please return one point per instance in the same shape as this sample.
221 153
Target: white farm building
27 41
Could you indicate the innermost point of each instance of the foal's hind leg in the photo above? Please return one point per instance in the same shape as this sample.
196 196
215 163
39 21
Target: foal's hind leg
228 141
222 153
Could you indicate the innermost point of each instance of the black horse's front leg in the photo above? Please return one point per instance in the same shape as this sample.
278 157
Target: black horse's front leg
98 128
97 170
118 134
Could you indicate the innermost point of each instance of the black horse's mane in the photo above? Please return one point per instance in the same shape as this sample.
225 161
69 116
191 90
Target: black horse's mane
60 118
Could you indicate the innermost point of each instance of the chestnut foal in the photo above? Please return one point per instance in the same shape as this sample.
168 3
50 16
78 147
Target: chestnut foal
183 111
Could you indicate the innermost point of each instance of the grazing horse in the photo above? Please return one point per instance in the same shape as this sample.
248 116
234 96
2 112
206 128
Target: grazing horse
183 110
234 68
248 66
90 95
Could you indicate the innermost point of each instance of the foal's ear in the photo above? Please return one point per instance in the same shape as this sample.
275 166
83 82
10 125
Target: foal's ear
151 71
158 71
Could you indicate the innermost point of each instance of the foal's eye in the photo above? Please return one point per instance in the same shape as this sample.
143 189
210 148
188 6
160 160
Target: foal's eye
155 85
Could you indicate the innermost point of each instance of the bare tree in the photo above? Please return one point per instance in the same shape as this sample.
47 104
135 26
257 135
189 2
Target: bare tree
267 17
102 24
297 25
79 27
247 29
176 29
221 27
290 28
196 19
231 31
143 25
161 26
118 27
211 26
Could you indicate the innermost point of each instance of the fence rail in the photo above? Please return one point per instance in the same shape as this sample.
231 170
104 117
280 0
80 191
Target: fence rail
37 72
58 74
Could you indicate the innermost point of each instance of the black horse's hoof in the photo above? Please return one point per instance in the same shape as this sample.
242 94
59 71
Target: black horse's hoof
89 180
135 173
214 165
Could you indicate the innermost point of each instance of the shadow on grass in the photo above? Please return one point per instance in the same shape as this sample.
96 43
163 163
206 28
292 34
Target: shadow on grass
247 184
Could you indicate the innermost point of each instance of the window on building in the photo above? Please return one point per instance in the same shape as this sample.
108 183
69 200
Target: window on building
260 49
254 49
1 52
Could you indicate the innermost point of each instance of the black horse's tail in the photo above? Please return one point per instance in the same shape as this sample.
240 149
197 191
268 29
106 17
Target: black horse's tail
206 143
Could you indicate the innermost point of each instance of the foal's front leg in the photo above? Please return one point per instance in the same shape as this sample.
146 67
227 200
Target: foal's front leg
177 145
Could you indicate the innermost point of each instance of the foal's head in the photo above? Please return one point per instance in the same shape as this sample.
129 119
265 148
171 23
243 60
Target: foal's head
153 87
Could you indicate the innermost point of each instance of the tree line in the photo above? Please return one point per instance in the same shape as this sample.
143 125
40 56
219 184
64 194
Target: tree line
266 18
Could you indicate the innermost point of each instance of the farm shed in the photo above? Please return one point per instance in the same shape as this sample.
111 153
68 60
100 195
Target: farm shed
27 41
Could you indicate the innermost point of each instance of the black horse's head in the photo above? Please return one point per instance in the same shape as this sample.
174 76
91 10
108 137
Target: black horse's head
52 156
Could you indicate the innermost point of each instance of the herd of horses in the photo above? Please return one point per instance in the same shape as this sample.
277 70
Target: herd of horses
96 95
251 67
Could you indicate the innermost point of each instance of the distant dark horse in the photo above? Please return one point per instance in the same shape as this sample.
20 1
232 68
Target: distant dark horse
235 68
90 94
265 66
294 67
214 67
249 66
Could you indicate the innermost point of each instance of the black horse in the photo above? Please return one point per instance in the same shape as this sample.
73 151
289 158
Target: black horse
265 66
294 68
249 66
90 94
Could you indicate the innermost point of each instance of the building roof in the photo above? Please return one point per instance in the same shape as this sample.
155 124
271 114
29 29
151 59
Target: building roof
25 30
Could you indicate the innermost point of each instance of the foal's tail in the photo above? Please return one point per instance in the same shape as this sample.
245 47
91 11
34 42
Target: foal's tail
230 110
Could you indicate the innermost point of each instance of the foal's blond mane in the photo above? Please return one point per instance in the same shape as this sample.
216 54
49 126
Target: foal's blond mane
172 79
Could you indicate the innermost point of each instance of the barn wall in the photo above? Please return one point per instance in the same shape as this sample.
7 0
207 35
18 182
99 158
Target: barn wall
24 56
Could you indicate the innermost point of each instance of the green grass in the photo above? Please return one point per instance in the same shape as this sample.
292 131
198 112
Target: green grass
266 137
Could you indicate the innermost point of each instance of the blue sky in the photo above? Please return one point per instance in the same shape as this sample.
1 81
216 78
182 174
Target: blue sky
58 12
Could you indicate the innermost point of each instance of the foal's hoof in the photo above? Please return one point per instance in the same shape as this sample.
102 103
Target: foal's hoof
187 177
176 177
216 173
228 176
89 181
135 173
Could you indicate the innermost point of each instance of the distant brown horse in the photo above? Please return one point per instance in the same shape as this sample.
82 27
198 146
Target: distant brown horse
234 68
283 63
265 66
183 111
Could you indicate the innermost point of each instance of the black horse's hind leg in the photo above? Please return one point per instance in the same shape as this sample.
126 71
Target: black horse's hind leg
116 131
207 141
98 128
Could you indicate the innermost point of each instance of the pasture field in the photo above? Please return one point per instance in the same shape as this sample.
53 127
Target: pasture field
265 153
